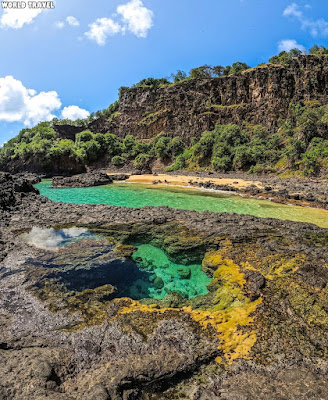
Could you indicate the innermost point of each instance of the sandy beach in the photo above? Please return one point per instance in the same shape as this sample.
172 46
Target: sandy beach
183 180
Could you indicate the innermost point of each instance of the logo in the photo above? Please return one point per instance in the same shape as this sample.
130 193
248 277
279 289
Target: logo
20 5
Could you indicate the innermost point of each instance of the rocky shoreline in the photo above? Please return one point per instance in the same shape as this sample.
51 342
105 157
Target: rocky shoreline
302 191
260 332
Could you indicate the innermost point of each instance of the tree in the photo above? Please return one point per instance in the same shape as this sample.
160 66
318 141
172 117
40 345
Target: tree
142 161
113 144
227 70
118 161
152 82
84 136
205 71
129 146
238 67
294 150
162 147
285 57
179 76
318 50
218 70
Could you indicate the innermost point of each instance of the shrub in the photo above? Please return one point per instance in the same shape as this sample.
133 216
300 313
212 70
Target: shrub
142 161
118 161
162 147
221 163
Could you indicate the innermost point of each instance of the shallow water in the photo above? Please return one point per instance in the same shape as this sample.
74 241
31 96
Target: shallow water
167 277
138 195
79 260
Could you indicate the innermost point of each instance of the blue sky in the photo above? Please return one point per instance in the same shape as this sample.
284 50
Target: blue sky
80 53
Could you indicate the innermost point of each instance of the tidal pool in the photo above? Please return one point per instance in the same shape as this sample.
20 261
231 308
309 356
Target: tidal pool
139 195
167 277
76 261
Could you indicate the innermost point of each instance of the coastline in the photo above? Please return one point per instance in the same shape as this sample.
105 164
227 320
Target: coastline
298 192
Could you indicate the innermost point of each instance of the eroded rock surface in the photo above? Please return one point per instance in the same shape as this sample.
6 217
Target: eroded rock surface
260 332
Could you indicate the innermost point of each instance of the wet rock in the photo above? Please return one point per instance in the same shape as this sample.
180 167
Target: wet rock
82 180
118 177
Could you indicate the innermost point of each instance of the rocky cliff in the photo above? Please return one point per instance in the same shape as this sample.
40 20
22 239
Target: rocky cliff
261 95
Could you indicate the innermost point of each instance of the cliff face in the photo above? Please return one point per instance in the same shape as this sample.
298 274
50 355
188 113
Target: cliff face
259 96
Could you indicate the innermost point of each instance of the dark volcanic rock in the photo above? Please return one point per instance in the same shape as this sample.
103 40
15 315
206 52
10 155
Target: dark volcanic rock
260 95
83 180
269 294
12 189
119 177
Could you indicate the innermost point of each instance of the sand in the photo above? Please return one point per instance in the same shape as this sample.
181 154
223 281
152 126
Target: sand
183 180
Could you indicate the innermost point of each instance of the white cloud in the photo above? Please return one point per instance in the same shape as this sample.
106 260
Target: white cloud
316 27
19 104
40 107
74 112
293 10
72 21
138 18
59 24
17 18
289 44
101 29
50 239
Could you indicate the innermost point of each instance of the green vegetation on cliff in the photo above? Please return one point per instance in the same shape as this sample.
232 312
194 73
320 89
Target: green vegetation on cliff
300 146
298 143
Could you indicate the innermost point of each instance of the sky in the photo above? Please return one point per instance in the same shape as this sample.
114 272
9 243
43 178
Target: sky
71 60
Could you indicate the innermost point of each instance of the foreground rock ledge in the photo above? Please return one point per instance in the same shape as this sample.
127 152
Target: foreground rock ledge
273 273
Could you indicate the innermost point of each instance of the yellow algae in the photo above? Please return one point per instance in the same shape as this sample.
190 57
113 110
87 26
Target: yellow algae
252 257
310 303
231 320
227 270
286 266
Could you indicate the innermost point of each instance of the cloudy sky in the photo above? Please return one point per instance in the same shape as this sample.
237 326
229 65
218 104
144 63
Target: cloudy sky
72 60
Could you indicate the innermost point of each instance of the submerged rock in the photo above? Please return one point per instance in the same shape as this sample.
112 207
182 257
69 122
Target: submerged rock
158 283
184 273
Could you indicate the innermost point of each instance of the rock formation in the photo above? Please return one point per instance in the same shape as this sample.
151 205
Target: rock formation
261 95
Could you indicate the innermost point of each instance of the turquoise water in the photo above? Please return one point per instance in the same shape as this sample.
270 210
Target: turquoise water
149 274
140 195
167 277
